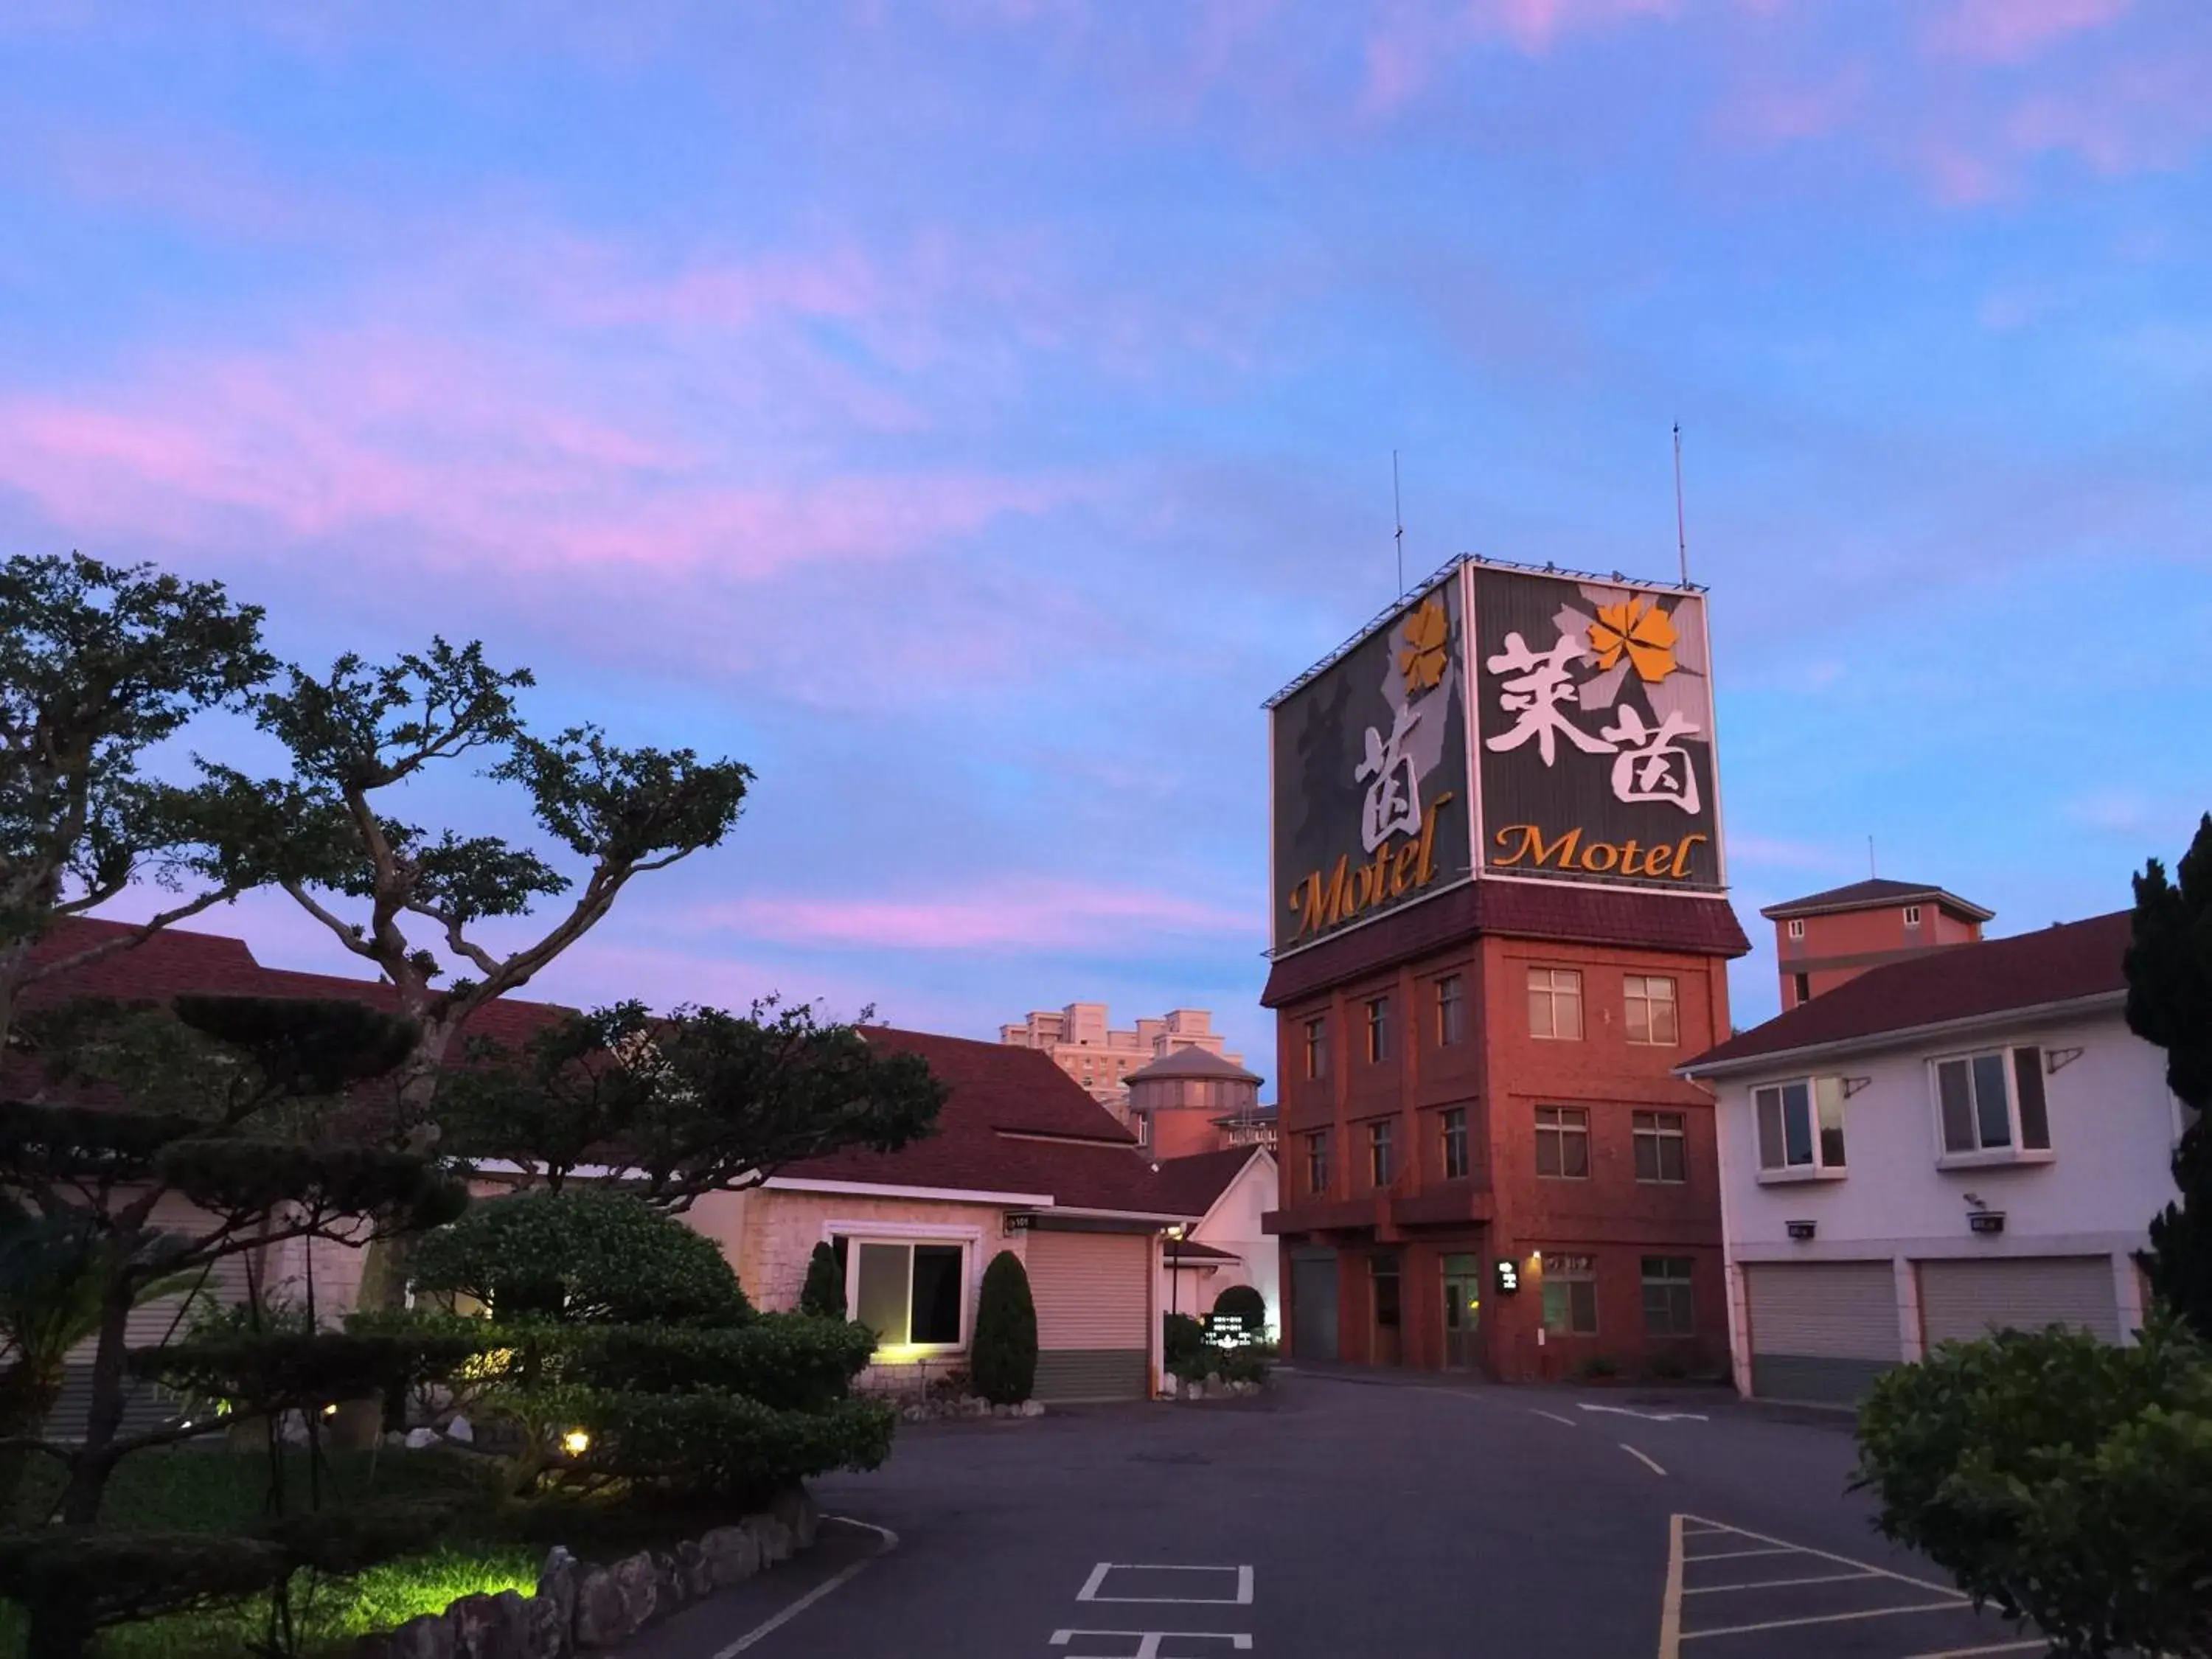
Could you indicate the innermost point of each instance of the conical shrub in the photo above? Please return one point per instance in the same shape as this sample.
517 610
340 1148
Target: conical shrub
1003 1359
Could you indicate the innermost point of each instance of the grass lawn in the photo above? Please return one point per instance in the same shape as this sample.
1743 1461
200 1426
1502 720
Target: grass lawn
488 1549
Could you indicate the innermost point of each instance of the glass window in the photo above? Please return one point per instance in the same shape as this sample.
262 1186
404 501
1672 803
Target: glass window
1802 984
1317 1048
1317 1161
1797 926
1649 1002
1661 1146
1801 1124
1454 1143
1569 1295
1555 1004
1563 1142
1379 1136
1668 1307
1911 916
1993 1101
1378 1029
909 1294
1382 1274
1452 1012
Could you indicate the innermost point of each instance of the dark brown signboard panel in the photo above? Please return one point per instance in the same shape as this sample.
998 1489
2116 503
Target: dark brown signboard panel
1594 731
1371 802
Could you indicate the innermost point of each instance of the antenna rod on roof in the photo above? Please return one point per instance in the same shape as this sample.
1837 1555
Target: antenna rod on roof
1681 527
1398 516
1871 870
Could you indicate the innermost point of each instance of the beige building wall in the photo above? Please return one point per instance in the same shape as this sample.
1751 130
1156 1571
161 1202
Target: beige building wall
1084 1044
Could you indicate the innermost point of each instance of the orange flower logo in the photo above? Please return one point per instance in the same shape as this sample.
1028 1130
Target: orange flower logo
1641 630
1422 659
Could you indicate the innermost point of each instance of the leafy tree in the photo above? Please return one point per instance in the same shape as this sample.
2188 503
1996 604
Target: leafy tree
99 663
2169 969
1003 1359
822 1295
2065 1479
697 1101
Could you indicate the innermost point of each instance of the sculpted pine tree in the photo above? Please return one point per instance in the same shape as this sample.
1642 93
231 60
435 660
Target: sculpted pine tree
99 663
2169 969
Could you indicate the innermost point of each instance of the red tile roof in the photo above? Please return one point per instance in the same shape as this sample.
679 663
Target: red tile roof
1191 1061
1881 891
1013 1122
2061 963
1694 925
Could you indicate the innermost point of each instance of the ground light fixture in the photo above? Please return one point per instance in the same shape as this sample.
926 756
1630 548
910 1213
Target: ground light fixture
576 1442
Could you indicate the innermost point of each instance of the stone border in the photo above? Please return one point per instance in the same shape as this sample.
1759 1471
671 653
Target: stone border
1174 1388
586 1609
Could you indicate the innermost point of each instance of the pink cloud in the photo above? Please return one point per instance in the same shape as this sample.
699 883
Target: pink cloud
2008 31
1029 915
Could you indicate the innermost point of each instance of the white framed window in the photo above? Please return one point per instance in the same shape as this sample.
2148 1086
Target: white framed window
1797 926
1990 1107
1911 916
1800 1128
911 1292
1555 1004
1647 1001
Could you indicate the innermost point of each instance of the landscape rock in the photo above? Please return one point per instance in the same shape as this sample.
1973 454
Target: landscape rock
1032 1408
490 1626
458 1430
693 1575
773 1536
733 1555
556 1583
375 1645
550 1634
427 1638
417 1440
602 1614
794 1507
637 1578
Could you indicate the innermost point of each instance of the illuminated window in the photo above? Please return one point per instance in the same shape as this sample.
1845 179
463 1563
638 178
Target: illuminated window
907 1294
1452 1012
1661 1146
1650 1001
1380 1136
1668 1307
1993 1101
1454 1124
1317 1048
1801 1125
1378 1029
1563 1142
1569 1295
1555 1004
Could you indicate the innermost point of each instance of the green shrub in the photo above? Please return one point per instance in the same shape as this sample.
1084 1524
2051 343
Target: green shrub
710 1441
1003 1357
1598 1367
2065 1481
1181 1340
1244 1304
824 1293
1248 1363
789 1361
581 1256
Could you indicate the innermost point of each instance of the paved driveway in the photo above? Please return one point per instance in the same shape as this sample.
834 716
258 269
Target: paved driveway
1338 1519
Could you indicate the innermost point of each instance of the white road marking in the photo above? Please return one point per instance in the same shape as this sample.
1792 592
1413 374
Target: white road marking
836 1581
1824 1555
1148 1641
1641 1458
1995 1647
1777 1583
1670 1604
1649 1417
1738 1555
1826 1619
1097 1582
1555 1417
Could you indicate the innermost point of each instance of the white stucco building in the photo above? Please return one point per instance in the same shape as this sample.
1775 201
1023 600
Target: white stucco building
1969 1138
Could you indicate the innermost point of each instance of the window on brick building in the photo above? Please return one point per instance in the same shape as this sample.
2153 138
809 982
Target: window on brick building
1669 1310
1555 1003
1802 984
1452 1012
1378 1029
1381 1135
1317 1048
1569 1295
1563 1142
1797 926
1453 1124
1317 1162
1911 916
1661 1146
1648 999
910 1294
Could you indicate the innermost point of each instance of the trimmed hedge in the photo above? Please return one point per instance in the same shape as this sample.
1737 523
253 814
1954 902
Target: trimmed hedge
712 1442
1244 1303
1003 1359
824 1293
789 1361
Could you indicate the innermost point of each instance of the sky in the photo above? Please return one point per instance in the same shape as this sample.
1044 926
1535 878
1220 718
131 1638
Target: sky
968 414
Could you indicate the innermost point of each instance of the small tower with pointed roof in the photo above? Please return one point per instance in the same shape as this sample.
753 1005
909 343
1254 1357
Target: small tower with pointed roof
1177 1104
1823 940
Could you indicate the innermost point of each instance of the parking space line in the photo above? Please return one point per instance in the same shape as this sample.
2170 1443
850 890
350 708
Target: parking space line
1564 1422
762 1632
1841 1561
1777 1583
1827 1619
1993 1647
1670 1604
1640 1457
1093 1584
1738 1555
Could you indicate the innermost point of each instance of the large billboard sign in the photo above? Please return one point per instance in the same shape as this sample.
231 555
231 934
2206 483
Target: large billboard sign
1589 758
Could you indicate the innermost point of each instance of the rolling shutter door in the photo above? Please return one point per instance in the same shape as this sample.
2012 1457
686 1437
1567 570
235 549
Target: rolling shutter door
1820 1331
1962 1300
1094 1313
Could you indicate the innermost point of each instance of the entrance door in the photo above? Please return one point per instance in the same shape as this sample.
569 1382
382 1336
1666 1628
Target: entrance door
1382 1279
1463 1312
1313 1305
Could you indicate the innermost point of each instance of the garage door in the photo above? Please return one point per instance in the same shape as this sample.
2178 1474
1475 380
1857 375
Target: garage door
1313 1305
1820 1331
1963 1300
1094 1313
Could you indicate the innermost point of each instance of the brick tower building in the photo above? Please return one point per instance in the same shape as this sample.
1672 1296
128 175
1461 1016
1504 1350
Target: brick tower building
1495 938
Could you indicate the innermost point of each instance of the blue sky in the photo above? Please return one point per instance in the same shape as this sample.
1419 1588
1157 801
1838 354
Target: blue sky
967 413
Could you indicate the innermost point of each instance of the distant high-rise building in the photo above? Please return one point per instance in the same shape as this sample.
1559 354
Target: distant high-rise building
1085 1047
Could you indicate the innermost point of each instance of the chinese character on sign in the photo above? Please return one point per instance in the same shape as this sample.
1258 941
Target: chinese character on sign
1539 687
1650 764
1394 798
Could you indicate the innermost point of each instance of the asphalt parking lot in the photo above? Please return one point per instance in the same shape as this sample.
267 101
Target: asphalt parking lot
1338 1517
